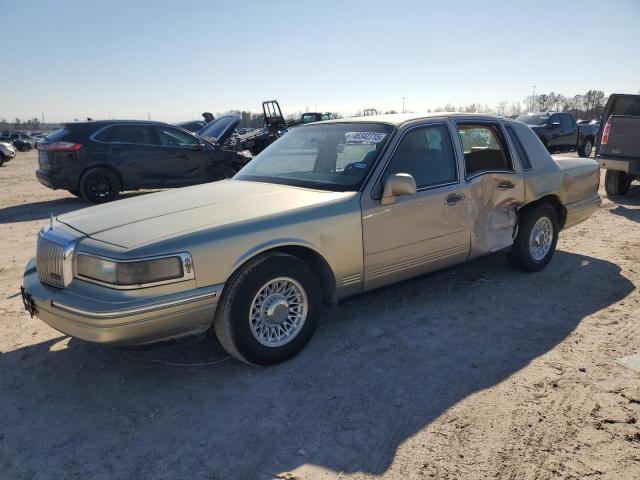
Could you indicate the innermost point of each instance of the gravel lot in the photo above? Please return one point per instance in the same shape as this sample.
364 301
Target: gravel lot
479 371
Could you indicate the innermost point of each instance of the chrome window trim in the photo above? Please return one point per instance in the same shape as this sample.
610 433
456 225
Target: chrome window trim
211 293
377 183
188 270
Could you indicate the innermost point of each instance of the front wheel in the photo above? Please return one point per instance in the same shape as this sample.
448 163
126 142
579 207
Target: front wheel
100 185
616 182
269 311
536 240
586 148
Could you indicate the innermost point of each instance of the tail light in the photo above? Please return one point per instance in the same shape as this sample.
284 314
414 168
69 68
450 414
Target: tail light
62 147
605 132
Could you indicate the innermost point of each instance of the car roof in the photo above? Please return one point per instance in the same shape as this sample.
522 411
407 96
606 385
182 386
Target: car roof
399 119
115 122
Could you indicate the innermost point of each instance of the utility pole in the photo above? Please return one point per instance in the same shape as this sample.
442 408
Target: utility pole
148 116
533 99
403 105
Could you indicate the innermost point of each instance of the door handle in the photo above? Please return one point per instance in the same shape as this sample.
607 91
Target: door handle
453 199
504 185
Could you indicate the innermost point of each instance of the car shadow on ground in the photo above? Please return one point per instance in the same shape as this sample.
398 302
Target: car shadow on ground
381 367
631 199
28 212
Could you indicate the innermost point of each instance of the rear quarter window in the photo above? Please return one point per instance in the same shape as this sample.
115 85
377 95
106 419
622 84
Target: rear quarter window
522 153
536 152
59 135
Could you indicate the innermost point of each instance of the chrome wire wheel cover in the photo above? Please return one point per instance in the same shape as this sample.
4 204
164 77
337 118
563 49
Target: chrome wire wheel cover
278 312
541 238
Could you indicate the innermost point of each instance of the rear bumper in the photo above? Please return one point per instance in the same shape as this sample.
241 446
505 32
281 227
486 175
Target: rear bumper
134 322
578 212
630 166
54 180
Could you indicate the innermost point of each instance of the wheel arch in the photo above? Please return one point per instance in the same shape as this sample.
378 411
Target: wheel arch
100 165
549 199
316 261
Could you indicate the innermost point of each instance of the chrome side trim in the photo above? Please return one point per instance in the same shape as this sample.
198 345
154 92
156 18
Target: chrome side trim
136 310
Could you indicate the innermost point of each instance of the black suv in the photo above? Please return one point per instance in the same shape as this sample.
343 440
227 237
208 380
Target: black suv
98 160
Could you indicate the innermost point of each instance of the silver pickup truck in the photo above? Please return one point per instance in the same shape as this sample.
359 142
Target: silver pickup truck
329 210
618 143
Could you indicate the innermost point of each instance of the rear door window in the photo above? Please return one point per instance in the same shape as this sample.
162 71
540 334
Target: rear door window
484 149
567 122
135 134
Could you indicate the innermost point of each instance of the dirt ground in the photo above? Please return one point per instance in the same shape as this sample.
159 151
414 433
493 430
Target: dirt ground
474 372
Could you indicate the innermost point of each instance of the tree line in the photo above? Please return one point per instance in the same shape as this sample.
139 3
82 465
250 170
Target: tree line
586 106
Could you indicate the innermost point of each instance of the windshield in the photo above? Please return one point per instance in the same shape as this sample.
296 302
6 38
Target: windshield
214 130
334 156
533 119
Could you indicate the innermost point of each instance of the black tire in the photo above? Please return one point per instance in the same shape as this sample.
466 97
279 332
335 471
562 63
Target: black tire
1 159
616 182
100 185
232 319
520 255
586 148
75 193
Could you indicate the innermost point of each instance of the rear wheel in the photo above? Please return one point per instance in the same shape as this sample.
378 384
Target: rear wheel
1 159
586 148
536 240
616 182
100 185
269 311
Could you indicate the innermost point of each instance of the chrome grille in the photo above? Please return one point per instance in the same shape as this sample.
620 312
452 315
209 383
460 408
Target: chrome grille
50 262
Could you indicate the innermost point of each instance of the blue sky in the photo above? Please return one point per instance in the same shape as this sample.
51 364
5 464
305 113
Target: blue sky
175 59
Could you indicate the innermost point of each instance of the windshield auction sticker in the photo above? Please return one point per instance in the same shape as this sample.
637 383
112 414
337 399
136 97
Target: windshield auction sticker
364 137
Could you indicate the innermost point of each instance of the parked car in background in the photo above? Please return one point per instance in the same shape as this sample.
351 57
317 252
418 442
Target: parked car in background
25 137
560 132
7 152
329 210
193 126
97 160
20 145
618 143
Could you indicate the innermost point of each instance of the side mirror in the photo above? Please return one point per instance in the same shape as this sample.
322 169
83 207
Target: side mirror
397 185
555 125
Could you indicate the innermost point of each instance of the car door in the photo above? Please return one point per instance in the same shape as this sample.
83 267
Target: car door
569 131
495 188
133 150
554 125
424 231
189 157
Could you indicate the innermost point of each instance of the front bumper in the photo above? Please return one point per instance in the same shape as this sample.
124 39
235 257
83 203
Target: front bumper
8 155
126 322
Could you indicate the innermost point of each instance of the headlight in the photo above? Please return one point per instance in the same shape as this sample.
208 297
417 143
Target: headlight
135 273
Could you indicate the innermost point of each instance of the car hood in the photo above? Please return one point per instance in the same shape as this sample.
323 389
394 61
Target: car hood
144 219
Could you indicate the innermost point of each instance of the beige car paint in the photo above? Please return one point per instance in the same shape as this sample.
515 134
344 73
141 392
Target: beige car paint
365 244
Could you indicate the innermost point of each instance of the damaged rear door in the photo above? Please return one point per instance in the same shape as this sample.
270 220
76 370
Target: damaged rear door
496 190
